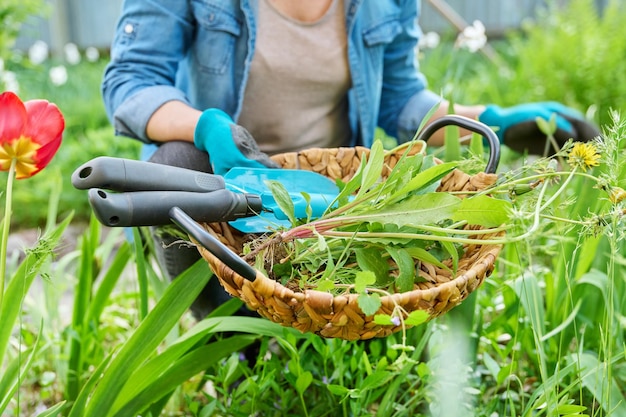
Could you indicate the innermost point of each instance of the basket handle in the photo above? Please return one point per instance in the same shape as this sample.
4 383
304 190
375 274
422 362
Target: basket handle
213 245
473 126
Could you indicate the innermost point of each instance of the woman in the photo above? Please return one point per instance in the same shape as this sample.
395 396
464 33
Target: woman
294 74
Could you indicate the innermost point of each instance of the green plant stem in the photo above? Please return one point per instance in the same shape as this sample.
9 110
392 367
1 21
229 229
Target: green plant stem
558 192
454 239
5 229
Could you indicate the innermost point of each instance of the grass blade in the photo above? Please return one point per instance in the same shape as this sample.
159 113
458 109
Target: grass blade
180 371
146 338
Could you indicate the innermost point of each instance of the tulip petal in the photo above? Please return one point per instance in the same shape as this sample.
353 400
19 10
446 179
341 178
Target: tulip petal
46 152
13 117
45 121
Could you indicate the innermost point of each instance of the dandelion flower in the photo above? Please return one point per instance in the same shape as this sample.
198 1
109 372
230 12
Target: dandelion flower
616 195
584 155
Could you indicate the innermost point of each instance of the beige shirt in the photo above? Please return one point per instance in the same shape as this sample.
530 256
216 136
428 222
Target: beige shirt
296 94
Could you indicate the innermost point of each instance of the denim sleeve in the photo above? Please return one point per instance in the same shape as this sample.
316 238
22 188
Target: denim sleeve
405 99
152 38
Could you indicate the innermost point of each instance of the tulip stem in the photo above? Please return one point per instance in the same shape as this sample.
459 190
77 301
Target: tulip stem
6 224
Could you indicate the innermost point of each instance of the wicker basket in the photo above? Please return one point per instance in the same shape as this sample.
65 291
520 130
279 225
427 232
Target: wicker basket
340 316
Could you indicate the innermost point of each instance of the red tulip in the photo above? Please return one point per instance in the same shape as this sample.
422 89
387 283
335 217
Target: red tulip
30 134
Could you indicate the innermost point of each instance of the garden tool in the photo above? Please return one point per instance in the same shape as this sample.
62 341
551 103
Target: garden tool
146 191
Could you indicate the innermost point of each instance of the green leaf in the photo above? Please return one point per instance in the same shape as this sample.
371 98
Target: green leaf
531 296
180 371
383 320
303 382
373 168
325 285
376 380
605 390
283 199
364 279
570 409
406 268
53 411
339 390
484 211
353 184
424 179
425 256
417 210
16 371
147 337
417 317
369 259
369 303
107 283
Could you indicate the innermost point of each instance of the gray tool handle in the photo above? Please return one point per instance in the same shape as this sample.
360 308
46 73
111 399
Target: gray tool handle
150 208
121 174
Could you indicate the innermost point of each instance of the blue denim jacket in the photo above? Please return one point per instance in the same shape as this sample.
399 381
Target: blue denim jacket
199 52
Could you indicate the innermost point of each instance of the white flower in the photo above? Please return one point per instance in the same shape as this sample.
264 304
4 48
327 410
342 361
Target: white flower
9 80
429 40
92 54
58 75
72 54
473 37
38 52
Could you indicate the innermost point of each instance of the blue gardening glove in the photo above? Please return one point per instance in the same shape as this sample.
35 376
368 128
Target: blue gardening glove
517 127
228 144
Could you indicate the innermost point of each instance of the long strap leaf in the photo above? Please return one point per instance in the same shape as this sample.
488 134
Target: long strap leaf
144 341
180 371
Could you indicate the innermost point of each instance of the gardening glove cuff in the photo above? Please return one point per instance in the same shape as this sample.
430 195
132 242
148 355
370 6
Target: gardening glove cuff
228 144
517 127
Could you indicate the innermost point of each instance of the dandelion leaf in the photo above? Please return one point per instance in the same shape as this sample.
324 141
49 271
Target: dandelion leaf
483 210
406 268
417 210
369 259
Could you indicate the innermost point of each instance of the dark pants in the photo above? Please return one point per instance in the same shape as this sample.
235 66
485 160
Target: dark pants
174 257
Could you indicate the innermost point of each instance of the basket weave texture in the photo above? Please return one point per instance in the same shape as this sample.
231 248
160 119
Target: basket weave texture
340 316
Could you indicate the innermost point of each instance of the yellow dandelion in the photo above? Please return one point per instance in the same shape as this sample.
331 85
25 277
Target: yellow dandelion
584 155
616 194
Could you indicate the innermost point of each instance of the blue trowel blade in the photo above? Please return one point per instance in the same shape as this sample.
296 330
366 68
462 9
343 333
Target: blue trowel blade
321 190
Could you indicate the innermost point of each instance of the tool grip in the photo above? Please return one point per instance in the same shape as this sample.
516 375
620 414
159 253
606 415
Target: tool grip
121 174
150 208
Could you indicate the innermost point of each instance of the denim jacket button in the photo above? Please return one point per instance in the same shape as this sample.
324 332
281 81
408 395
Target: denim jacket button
129 28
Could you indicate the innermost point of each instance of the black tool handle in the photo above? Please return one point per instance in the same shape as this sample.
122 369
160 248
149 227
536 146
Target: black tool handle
212 244
473 126
121 174
151 208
